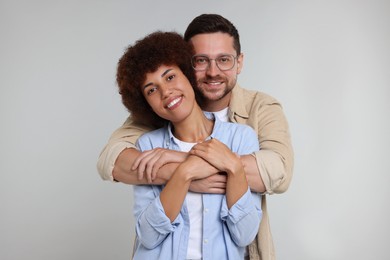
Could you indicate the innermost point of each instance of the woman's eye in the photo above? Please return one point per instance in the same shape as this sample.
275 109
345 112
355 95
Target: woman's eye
151 90
170 77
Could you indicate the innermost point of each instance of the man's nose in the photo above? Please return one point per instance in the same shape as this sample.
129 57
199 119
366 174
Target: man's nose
212 69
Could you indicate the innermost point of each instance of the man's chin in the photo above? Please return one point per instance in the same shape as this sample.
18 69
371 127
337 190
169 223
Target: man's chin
212 96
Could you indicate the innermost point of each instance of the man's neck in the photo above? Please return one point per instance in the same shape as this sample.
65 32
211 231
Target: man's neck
216 105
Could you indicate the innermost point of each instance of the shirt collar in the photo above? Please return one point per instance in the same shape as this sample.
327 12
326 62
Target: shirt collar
169 139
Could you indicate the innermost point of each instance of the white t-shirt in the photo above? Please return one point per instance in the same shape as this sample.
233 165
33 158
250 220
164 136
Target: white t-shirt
222 114
195 212
195 203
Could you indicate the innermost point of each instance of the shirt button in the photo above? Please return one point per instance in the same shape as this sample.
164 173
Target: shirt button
205 241
206 210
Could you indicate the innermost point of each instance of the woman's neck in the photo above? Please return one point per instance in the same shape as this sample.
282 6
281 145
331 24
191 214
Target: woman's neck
195 128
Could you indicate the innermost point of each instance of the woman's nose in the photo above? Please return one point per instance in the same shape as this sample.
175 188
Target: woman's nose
166 90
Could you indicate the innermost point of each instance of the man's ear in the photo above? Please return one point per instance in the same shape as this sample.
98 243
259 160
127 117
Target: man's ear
240 62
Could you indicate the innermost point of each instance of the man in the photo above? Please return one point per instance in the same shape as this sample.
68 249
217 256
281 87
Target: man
215 40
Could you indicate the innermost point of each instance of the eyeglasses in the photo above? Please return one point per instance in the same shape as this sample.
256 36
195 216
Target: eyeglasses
223 62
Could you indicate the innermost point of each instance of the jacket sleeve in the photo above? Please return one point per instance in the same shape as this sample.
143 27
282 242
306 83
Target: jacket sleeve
275 157
124 137
265 115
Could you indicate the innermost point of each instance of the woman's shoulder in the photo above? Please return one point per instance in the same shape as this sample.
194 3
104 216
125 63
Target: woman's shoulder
236 126
240 138
155 133
231 130
152 139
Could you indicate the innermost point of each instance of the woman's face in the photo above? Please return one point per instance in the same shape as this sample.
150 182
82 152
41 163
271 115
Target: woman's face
169 93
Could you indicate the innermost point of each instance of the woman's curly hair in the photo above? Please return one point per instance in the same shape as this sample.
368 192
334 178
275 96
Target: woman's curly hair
145 56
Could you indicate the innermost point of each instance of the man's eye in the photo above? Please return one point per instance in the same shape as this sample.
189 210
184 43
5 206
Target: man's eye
224 59
201 60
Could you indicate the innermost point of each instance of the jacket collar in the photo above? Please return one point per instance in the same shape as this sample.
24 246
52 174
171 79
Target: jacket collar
237 109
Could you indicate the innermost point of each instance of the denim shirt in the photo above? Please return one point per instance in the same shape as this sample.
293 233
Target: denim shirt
226 232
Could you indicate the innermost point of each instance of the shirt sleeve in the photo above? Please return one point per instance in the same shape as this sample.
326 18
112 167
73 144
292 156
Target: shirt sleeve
243 218
124 137
152 225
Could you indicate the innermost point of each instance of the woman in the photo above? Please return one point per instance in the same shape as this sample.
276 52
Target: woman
155 78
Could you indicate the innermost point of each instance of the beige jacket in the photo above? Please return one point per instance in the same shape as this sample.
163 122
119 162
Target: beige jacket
275 158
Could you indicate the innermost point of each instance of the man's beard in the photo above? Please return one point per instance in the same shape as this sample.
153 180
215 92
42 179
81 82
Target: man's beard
204 95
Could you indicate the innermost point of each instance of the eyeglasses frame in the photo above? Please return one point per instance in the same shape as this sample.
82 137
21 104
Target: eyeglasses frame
209 61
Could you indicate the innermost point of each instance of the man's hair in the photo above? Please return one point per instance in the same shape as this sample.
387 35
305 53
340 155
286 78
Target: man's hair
212 23
146 56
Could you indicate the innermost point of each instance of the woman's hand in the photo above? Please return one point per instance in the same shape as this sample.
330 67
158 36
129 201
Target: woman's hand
219 155
149 162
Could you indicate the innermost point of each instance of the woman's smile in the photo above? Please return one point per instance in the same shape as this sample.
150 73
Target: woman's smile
174 103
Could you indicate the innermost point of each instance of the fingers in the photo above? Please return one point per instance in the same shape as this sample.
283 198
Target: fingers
213 184
149 162
151 165
201 149
217 191
216 153
145 162
139 159
209 147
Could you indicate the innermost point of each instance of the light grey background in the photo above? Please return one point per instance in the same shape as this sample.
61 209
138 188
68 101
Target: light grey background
328 62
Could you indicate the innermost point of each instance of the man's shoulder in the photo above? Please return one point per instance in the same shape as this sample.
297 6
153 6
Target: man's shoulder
250 95
245 102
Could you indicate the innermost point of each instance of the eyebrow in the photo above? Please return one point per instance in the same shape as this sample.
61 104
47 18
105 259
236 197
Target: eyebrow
165 72
218 55
162 75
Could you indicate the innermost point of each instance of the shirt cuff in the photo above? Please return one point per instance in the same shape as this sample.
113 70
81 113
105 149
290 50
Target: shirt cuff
157 218
240 209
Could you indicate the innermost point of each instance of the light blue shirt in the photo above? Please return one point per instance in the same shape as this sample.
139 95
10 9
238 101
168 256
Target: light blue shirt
226 232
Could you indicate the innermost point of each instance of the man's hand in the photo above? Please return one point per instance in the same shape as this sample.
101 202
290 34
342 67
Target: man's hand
208 150
196 168
149 162
215 184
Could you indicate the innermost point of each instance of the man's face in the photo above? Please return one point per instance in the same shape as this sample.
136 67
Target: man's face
214 84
